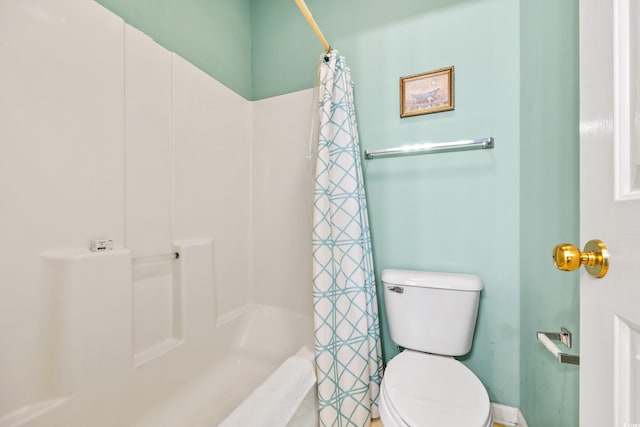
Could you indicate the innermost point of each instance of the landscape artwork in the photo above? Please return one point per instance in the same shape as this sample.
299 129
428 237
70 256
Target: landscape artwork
426 93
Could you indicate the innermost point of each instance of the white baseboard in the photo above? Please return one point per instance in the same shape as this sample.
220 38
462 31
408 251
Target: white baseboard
507 415
521 421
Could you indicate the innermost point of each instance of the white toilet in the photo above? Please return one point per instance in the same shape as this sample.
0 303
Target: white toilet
433 316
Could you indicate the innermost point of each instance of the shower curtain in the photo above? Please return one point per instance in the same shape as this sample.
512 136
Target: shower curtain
347 338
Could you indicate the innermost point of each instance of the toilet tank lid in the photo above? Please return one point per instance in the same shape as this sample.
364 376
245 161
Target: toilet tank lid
432 279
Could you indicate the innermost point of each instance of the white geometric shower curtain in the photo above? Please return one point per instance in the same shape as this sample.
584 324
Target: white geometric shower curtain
347 338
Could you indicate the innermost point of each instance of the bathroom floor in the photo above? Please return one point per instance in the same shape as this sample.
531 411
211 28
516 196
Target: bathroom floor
378 423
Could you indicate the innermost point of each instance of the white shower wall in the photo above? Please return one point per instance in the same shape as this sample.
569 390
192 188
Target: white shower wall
105 134
282 196
61 168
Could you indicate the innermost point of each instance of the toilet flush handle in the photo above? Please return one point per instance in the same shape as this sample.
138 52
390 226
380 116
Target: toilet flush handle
396 289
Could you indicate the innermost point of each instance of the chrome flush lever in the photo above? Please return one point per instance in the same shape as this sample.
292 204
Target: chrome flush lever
396 289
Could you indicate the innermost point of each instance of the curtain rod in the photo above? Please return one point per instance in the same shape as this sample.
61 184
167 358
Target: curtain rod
314 26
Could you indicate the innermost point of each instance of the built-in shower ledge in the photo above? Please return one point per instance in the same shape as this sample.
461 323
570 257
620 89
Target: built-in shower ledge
30 412
155 352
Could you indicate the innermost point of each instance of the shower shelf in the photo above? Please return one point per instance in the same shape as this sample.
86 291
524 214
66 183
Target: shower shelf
431 148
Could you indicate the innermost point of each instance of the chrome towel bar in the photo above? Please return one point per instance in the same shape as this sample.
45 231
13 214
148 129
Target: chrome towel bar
103 245
430 148
147 259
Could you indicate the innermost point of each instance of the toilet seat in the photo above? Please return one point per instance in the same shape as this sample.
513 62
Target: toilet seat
424 390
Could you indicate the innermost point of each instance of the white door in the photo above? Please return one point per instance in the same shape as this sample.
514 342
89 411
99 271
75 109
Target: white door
610 211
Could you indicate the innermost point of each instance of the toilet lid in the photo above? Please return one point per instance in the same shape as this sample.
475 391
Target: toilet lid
430 390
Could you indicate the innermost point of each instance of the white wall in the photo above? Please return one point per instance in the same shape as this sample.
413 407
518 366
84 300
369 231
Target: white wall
61 167
211 128
106 135
282 198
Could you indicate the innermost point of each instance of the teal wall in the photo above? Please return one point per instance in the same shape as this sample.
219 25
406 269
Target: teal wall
214 35
496 213
450 212
549 166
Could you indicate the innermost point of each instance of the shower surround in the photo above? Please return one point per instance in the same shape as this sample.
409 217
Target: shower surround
108 135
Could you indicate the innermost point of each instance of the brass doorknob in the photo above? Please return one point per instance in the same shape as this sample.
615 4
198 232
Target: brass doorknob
595 258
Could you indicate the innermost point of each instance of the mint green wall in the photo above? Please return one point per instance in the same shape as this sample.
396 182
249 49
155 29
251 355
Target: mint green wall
549 166
449 212
496 213
214 35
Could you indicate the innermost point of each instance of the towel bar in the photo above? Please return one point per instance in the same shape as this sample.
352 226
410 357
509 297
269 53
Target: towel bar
429 148
148 259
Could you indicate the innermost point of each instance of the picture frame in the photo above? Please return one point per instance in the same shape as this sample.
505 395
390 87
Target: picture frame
427 93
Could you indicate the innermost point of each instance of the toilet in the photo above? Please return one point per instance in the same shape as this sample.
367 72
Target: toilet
433 317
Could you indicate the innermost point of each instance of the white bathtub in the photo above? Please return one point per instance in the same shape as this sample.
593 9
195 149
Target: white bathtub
100 373
252 344
261 338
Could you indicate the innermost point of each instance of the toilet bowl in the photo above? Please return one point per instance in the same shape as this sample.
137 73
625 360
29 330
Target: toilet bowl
433 316
424 390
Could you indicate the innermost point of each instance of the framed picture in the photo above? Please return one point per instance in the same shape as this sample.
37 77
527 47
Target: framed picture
426 93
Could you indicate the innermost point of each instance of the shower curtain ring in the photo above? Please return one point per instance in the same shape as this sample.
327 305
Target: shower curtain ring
327 53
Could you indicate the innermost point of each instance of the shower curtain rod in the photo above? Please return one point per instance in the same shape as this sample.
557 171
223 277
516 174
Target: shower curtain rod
314 26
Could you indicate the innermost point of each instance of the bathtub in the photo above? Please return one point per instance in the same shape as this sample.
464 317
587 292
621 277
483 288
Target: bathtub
253 343
262 341
117 357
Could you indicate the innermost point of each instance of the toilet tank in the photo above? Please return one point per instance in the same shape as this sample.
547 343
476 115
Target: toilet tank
432 312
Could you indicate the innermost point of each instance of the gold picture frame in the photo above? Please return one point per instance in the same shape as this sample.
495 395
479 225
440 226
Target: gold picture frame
427 93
